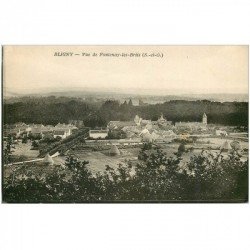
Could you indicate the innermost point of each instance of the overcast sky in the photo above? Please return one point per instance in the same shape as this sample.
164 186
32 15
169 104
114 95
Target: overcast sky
182 70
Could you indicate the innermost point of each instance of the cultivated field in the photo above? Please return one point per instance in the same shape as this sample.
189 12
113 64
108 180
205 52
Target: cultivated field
22 149
98 160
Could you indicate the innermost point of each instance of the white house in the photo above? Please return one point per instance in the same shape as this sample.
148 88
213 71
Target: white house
98 133
63 133
221 132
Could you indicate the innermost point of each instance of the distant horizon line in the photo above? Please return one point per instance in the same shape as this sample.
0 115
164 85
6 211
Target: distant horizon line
158 92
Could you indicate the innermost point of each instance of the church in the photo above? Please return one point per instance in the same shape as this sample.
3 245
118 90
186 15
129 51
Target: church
193 125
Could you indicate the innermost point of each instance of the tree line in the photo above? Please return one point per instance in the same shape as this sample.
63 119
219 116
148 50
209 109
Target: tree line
207 177
48 110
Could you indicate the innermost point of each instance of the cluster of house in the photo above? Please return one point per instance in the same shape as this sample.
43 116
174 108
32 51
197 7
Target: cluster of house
193 126
22 130
161 130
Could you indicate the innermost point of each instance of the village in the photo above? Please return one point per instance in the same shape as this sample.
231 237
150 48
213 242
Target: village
116 141
119 142
22 130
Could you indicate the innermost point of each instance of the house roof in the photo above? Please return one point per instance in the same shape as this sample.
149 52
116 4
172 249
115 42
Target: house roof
63 125
144 131
59 132
121 124
155 135
18 124
23 128
96 131
147 137
146 121
47 129
61 129
189 124
36 130
11 131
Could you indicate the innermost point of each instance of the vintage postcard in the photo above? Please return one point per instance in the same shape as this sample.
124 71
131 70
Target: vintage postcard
90 124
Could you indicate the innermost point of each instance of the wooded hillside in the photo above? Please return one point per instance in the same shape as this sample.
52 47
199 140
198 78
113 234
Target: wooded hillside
51 110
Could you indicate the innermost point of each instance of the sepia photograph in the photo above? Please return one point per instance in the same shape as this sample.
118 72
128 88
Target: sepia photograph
125 124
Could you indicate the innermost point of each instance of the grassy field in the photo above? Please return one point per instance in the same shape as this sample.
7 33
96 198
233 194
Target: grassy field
24 149
98 160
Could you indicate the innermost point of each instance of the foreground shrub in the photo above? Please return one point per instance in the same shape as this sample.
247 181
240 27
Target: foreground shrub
205 177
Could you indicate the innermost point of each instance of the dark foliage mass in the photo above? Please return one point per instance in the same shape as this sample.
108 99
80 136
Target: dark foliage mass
62 146
51 110
207 177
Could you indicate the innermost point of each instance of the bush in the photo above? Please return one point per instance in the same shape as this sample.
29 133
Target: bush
181 148
50 139
35 145
206 177
25 140
35 136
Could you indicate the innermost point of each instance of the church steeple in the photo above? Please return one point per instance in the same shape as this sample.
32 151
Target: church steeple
204 119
